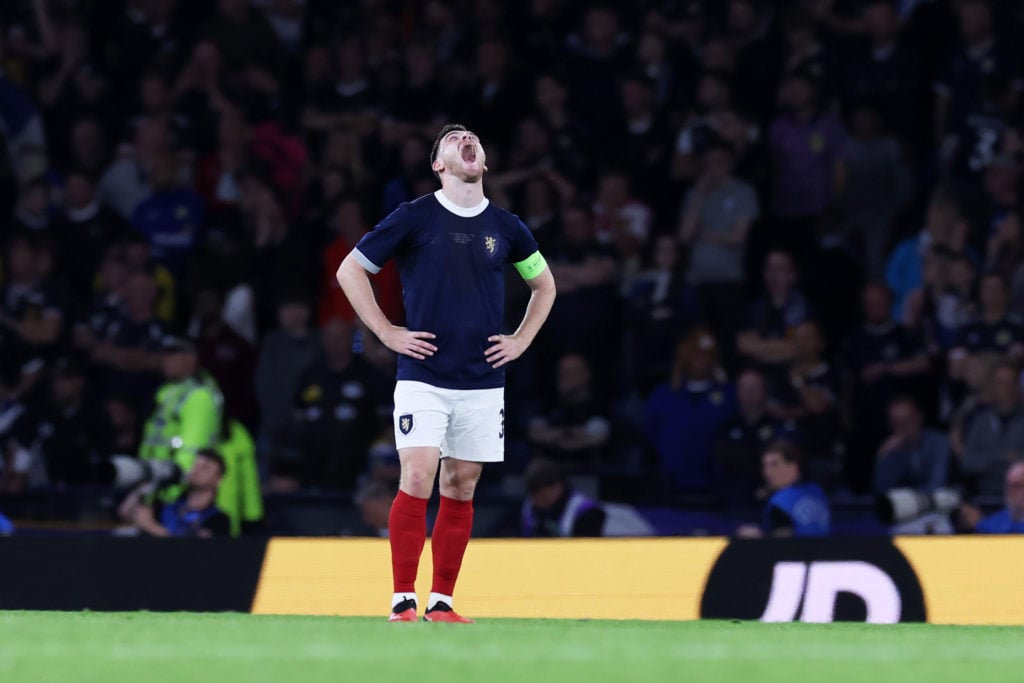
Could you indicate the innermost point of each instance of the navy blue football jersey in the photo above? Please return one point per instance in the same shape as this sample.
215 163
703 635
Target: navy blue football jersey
451 262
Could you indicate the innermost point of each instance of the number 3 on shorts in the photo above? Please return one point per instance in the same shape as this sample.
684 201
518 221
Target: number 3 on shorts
501 429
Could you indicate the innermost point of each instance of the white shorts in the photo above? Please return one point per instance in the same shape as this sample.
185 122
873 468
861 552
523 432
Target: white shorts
466 424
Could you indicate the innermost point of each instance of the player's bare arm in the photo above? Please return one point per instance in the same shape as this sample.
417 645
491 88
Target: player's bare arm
355 282
505 348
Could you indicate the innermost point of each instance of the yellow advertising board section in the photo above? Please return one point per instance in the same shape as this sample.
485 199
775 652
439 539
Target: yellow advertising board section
971 580
572 578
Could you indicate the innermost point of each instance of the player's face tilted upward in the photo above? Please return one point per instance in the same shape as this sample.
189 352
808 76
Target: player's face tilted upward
461 155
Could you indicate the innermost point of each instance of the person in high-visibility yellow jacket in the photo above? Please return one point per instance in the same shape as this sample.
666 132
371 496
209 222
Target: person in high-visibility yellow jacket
187 415
239 495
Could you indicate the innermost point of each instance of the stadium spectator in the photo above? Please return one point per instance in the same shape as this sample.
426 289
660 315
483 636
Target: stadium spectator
73 82
660 308
136 251
554 509
913 456
1004 253
83 230
575 427
795 507
980 52
172 217
764 339
569 133
187 413
588 278
994 439
706 124
594 56
944 302
239 495
227 356
193 513
496 95
880 359
23 129
808 394
719 212
404 186
124 418
886 69
285 354
944 228
640 136
995 329
620 219
129 349
65 433
340 405
742 439
878 186
683 415
808 147
348 224
32 213
539 209
1009 520
32 306
126 181
978 373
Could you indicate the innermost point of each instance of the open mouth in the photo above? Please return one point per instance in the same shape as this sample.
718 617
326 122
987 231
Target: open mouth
469 153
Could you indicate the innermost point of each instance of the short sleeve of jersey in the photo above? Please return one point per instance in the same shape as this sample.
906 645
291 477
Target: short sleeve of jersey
386 240
522 244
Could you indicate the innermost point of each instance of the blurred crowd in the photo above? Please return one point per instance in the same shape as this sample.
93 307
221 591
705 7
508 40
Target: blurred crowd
767 220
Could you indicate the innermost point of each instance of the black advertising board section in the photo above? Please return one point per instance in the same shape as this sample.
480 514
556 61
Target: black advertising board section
127 574
852 579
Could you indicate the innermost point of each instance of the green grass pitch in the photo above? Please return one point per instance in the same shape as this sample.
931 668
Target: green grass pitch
239 648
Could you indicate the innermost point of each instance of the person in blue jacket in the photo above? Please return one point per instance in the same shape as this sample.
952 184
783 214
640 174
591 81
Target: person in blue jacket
1009 520
794 507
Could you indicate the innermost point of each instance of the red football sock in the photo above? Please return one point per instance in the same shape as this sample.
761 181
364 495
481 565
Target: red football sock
451 535
407 531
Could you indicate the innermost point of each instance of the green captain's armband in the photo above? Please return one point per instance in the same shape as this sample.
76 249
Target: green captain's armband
531 266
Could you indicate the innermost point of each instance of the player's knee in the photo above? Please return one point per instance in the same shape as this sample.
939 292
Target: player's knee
417 481
459 486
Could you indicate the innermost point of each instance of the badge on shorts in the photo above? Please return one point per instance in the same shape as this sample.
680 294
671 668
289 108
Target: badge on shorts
405 423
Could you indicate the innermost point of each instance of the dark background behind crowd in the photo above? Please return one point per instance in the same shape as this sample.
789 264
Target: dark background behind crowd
796 220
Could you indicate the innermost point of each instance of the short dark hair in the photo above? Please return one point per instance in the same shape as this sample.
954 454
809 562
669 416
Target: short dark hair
216 457
789 452
448 128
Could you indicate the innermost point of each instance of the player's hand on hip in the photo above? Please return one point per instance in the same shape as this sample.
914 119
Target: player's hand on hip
409 343
505 348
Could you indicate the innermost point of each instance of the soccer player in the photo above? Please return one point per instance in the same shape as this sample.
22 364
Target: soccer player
451 247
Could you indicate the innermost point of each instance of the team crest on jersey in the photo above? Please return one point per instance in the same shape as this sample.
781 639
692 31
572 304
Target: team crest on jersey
405 423
490 244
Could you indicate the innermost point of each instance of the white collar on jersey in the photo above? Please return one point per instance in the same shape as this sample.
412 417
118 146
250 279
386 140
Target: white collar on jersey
461 210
